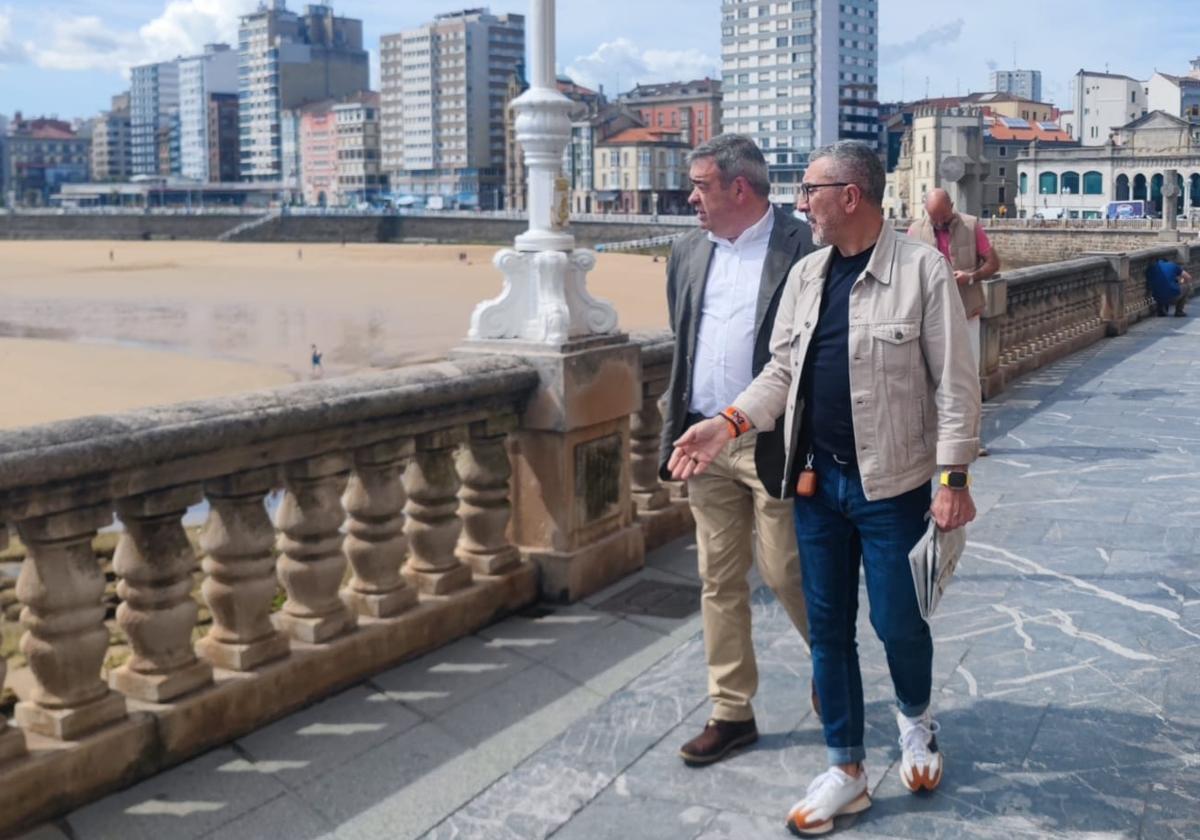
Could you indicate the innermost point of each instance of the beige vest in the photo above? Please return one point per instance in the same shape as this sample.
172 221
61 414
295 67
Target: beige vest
964 257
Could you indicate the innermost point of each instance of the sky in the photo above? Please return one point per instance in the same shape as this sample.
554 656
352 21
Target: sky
68 57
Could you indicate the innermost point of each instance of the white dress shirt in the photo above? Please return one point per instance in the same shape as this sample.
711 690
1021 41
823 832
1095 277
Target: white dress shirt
724 361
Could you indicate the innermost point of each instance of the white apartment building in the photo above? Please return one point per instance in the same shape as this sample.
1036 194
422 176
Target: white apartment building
153 98
1178 96
200 76
1024 83
1104 102
797 75
442 100
287 59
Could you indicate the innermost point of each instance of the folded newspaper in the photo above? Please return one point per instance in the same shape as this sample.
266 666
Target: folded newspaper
933 560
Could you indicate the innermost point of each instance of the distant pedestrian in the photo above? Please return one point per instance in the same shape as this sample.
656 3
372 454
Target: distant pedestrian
111 256
963 241
299 253
317 368
1169 286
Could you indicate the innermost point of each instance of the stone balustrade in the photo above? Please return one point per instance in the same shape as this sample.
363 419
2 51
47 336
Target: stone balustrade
390 537
345 526
1035 316
661 507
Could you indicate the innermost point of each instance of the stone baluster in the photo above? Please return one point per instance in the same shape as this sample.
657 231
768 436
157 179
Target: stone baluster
154 561
433 525
645 430
484 507
311 562
375 542
239 566
61 586
12 741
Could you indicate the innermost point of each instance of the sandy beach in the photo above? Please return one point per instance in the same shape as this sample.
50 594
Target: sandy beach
97 327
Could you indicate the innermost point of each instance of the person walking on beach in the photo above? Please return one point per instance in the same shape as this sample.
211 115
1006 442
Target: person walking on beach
317 368
724 282
873 375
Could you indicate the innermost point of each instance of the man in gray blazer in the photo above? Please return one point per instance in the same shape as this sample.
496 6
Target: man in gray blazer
723 288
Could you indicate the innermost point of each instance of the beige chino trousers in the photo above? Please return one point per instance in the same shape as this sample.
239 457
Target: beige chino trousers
731 508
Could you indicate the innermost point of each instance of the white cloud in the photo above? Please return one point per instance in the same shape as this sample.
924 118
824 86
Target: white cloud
183 28
11 52
621 64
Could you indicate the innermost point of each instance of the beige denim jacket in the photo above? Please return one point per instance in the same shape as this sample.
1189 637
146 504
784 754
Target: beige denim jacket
914 388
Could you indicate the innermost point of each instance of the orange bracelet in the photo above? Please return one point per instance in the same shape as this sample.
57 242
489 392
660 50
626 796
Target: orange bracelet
738 420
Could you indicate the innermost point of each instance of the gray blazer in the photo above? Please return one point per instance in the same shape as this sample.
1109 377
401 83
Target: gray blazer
687 273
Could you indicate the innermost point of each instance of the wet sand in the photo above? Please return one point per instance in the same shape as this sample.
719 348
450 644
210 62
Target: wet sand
162 322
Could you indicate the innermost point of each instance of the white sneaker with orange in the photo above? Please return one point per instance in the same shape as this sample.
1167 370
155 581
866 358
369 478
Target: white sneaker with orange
921 761
829 795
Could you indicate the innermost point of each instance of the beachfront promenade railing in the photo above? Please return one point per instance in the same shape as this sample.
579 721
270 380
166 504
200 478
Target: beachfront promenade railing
1037 315
390 536
688 220
351 524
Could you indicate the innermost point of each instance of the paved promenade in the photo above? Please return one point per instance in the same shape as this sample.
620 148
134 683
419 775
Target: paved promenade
1067 675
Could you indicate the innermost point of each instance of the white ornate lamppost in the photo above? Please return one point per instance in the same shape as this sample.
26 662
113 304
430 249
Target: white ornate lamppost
545 298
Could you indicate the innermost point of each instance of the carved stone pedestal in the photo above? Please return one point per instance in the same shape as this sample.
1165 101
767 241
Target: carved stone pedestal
572 506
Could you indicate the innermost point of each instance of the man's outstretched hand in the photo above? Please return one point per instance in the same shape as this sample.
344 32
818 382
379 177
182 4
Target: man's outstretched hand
697 447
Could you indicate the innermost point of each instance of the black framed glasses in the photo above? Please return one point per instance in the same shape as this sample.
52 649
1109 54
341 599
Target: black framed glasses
807 189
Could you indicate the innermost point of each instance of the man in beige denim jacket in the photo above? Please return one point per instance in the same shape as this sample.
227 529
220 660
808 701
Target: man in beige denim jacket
870 362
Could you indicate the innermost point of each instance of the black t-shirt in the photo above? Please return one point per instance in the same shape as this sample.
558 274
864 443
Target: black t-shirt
825 384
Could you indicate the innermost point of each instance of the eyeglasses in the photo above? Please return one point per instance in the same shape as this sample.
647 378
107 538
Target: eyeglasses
806 189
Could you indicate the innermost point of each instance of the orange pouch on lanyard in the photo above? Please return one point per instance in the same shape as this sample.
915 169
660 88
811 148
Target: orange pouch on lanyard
806 485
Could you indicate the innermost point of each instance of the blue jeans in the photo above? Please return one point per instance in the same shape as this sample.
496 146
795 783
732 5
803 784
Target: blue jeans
834 528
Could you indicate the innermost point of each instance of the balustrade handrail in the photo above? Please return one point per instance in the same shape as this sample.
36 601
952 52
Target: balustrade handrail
154 437
1033 275
658 347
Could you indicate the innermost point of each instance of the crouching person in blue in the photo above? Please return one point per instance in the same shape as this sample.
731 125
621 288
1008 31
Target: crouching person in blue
873 373
1168 286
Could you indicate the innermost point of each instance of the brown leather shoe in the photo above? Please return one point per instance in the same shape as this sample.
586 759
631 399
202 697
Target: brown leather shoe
719 738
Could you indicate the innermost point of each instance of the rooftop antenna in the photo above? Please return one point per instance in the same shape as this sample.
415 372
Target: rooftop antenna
926 87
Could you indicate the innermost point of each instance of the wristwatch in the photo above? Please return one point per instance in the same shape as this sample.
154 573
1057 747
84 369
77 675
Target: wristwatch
955 479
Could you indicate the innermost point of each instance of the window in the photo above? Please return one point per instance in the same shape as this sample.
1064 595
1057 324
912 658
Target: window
1093 183
1047 183
1001 171
1003 151
1000 196
1023 184
1133 96
1070 183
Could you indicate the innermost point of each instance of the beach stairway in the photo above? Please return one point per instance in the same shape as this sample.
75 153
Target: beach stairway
248 225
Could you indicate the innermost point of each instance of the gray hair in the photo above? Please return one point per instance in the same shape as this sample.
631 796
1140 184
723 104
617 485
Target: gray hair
856 163
736 156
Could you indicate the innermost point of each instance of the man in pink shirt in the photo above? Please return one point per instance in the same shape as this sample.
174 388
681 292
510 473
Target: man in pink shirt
963 242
